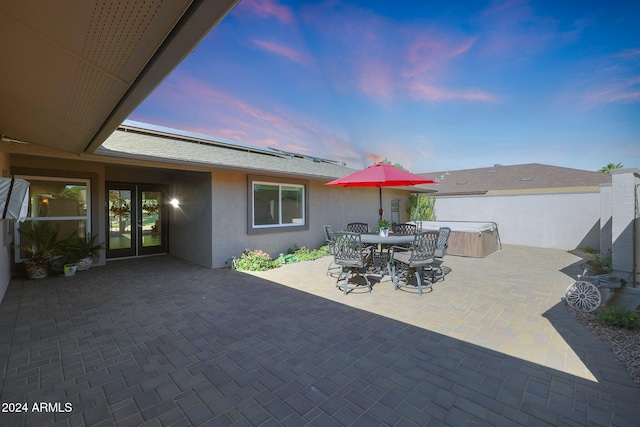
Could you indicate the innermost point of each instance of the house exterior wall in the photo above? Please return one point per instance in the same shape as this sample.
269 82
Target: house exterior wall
67 168
11 165
210 225
333 206
5 244
562 221
190 224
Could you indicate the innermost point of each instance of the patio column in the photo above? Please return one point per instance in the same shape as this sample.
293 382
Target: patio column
625 226
606 207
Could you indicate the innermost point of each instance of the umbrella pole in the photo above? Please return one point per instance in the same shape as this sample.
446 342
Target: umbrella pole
380 211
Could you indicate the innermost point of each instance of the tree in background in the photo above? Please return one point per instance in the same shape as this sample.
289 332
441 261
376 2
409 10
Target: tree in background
421 207
610 167
395 165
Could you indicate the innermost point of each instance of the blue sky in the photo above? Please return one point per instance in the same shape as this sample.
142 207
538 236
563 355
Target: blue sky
431 85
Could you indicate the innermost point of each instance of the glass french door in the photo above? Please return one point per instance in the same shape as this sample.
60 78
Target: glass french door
136 220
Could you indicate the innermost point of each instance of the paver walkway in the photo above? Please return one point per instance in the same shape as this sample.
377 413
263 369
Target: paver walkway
158 341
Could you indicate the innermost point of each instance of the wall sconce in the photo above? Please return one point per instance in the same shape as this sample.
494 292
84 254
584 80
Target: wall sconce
175 202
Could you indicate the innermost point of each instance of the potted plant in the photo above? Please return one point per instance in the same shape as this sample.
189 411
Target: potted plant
40 242
86 250
66 262
383 226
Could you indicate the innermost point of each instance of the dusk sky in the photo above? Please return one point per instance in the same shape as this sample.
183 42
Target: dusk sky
434 86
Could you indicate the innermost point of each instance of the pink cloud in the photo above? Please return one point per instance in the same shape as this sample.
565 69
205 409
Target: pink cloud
376 80
387 61
285 51
373 158
269 8
428 92
623 91
433 51
611 79
629 54
417 69
429 58
511 30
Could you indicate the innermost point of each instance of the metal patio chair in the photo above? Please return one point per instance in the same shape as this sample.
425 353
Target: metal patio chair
333 266
437 272
404 228
358 227
353 257
414 262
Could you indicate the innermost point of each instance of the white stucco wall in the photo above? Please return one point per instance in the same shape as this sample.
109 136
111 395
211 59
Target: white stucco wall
5 246
625 225
563 221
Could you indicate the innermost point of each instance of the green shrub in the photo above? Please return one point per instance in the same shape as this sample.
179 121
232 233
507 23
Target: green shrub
590 250
306 254
600 265
289 258
258 260
254 260
618 317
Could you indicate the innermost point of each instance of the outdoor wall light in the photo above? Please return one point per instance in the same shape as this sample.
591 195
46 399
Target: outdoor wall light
175 202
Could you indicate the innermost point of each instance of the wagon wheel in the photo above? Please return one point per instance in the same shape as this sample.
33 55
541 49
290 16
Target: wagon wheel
583 296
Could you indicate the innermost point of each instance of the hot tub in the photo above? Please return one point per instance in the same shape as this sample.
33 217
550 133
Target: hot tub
468 238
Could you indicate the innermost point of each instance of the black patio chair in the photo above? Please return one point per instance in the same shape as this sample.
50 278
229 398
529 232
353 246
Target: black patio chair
437 271
404 228
414 262
332 267
358 227
353 257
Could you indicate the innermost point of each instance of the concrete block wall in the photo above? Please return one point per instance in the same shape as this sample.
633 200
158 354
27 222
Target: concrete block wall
555 220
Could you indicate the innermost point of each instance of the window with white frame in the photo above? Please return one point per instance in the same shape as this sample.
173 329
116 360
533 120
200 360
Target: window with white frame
63 202
277 204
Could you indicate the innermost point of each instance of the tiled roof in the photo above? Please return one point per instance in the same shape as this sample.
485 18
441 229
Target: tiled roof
531 177
171 146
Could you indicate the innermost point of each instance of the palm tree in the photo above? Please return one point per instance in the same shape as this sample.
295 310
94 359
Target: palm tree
610 167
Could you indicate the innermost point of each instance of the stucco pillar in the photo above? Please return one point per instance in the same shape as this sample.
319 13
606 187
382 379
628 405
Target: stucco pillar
606 207
625 226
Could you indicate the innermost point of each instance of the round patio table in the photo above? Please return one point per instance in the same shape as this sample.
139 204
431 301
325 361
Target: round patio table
392 239
380 258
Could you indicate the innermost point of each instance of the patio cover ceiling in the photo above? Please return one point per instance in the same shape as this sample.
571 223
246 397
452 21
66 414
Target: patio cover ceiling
72 71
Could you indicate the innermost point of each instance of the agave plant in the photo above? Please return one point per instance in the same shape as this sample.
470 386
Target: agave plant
39 240
87 247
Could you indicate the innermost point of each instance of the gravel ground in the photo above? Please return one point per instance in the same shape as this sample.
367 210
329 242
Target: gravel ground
624 343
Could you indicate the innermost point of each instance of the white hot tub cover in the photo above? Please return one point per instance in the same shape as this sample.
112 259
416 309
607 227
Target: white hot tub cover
462 226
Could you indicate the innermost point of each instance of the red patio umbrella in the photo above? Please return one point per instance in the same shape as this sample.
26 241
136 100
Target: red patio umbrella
380 175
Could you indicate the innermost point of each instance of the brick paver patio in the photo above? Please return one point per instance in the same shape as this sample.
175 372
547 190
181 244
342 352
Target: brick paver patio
158 341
